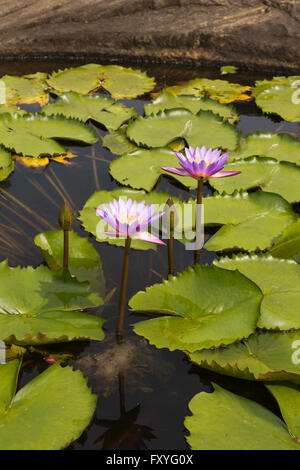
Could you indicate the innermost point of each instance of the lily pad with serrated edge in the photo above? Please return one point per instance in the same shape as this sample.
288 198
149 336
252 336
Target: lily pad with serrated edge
203 307
39 306
118 143
48 413
6 163
26 89
279 281
287 245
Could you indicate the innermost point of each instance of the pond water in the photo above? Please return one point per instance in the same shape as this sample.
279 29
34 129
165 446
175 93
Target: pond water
142 403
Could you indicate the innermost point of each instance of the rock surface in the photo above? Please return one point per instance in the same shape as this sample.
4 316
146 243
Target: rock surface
254 34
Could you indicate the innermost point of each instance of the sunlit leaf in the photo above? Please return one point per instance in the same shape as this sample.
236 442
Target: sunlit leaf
268 174
228 69
263 356
224 421
33 162
279 281
42 306
203 307
118 143
167 100
99 108
204 128
282 147
12 109
84 260
6 163
25 90
287 245
48 413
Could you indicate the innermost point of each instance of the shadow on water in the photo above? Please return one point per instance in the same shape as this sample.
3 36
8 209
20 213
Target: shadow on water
143 392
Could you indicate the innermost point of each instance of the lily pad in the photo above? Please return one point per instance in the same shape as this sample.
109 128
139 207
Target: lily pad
251 221
99 108
287 245
26 90
220 90
268 174
48 413
224 421
118 143
202 308
167 100
228 69
204 128
39 306
84 260
263 356
282 147
33 134
288 398
142 168
120 82
94 224
279 281
6 163
280 96
12 109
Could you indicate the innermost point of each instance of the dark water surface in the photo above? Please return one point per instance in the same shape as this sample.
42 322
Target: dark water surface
143 403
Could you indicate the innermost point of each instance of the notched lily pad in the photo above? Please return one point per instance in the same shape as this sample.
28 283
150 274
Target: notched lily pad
203 307
287 245
6 163
54 408
25 90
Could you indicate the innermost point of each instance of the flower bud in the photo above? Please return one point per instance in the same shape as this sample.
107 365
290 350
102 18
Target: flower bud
65 218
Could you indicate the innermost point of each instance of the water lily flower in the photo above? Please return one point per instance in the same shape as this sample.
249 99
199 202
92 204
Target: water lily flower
130 219
201 163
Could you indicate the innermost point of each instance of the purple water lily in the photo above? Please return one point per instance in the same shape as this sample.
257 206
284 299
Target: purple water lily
201 163
130 219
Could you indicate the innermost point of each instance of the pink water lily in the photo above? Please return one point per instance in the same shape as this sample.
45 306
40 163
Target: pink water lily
130 219
201 163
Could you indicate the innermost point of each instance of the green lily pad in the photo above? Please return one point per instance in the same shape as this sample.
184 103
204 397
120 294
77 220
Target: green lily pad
12 109
224 421
120 82
99 108
280 96
279 281
84 260
26 90
263 356
33 134
268 174
6 163
228 69
142 168
48 413
94 224
282 147
288 397
202 307
167 100
219 90
117 142
287 245
251 221
204 128
40 306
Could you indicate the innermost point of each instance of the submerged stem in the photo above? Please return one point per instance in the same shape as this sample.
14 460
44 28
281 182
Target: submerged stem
123 289
198 216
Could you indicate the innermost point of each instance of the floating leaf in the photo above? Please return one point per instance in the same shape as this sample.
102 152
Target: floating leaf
25 90
142 168
94 224
32 162
280 96
288 398
251 221
268 174
279 281
263 356
224 421
121 82
118 143
99 108
282 147
219 90
204 306
204 128
287 245
6 163
84 260
33 134
12 109
167 100
41 306
228 69
48 413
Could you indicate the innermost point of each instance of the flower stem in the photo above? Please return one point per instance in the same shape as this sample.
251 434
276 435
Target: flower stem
171 239
66 249
123 289
198 216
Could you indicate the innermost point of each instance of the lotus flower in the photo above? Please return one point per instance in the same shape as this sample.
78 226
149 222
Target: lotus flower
130 219
201 163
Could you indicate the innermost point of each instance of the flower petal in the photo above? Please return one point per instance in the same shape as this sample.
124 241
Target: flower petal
176 171
147 237
221 174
